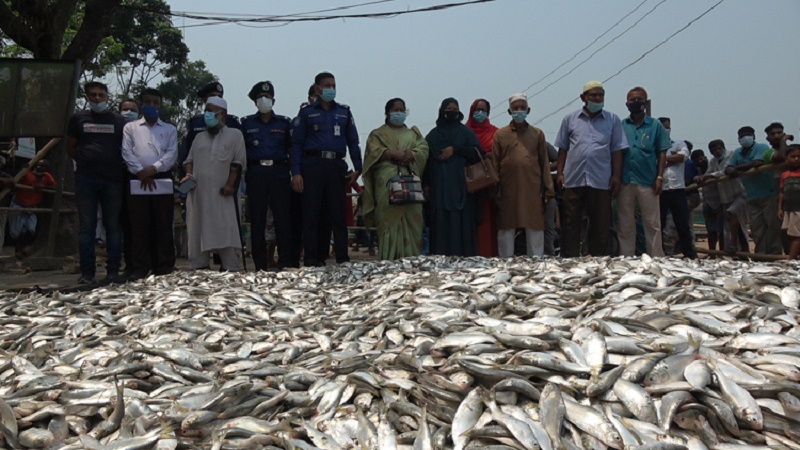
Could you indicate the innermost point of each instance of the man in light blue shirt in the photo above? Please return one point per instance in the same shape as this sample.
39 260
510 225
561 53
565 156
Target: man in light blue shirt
590 143
642 176
762 194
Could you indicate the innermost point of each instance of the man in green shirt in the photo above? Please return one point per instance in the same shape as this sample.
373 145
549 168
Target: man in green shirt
643 166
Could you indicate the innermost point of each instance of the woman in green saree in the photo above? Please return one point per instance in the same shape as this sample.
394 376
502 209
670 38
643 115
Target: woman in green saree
391 146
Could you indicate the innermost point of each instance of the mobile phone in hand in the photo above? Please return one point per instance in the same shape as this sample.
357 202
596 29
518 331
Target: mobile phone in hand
187 186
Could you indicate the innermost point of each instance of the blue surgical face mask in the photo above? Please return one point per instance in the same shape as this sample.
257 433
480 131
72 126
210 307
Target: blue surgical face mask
480 116
397 118
211 119
519 116
151 112
98 107
594 107
747 141
328 94
130 116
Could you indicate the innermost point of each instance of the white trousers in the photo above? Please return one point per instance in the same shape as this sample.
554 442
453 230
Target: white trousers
534 242
649 205
228 255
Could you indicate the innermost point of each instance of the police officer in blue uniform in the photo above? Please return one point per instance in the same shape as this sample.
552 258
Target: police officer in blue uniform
197 125
321 134
267 137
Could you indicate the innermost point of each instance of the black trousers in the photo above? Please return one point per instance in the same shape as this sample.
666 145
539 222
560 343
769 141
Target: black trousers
270 187
125 226
674 201
596 203
323 201
297 229
152 241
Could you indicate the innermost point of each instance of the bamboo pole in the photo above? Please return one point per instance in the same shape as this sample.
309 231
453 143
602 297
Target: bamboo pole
753 171
753 256
27 168
45 190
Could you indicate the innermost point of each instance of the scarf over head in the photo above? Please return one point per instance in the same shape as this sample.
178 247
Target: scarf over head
485 131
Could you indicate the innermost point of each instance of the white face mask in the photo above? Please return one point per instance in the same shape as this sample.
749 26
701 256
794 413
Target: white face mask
264 104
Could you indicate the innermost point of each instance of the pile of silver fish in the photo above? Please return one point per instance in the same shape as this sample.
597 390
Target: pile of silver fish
422 353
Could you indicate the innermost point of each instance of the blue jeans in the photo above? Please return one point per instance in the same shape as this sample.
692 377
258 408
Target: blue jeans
90 192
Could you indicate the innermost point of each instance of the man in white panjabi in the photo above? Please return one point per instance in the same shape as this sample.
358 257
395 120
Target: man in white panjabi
216 162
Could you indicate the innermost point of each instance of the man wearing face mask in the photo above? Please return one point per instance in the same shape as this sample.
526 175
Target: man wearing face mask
267 138
673 198
150 148
321 134
197 125
129 109
519 153
590 144
762 194
215 162
94 138
642 176
733 200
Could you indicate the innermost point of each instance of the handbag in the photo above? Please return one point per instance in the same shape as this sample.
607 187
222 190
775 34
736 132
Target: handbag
405 189
480 175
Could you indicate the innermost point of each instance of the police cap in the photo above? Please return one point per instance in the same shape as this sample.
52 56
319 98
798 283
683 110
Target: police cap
214 86
261 86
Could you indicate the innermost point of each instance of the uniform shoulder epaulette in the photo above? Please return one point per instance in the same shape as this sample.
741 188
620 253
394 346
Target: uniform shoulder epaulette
344 106
304 105
280 117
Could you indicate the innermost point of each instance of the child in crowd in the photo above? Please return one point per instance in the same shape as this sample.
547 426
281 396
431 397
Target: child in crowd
789 199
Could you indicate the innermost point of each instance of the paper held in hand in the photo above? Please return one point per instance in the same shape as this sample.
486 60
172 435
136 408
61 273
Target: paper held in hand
163 186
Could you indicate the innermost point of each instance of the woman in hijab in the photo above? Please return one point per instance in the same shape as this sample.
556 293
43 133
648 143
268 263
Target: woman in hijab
390 147
478 121
452 211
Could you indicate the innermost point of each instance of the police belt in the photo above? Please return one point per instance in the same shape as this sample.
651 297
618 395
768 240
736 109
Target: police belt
266 162
322 154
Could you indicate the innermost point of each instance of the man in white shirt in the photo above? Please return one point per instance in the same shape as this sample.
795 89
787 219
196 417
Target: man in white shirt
673 197
150 149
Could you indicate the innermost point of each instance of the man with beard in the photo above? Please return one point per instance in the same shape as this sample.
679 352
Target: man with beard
215 162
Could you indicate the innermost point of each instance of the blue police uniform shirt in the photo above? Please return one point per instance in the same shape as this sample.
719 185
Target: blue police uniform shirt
271 140
315 129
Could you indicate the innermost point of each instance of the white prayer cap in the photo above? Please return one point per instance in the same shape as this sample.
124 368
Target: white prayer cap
217 101
519 96
592 85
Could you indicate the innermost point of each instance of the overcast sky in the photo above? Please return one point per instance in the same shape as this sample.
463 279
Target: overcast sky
737 65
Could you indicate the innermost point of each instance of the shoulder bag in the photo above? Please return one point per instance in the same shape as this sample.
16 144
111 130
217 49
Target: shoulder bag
480 175
405 189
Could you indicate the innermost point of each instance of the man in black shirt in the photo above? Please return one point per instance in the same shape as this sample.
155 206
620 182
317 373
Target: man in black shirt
94 139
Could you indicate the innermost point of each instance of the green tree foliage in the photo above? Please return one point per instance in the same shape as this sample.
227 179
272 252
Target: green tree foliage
135 46
180 101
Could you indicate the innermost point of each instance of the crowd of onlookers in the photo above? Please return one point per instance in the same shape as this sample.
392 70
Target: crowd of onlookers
619 184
